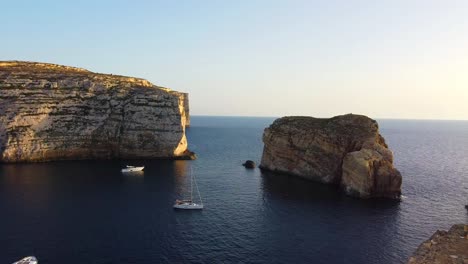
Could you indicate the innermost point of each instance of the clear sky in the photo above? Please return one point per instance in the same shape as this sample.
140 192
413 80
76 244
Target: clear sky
384 59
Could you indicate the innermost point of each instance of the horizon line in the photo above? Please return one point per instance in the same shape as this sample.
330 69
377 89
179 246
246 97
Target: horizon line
378 118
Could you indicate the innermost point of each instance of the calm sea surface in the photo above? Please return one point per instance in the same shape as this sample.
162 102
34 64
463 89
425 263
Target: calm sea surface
88 212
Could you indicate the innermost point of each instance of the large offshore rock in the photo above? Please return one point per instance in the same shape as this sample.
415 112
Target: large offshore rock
346 150
54 112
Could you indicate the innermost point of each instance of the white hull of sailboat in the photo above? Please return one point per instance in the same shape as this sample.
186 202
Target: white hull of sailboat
186 206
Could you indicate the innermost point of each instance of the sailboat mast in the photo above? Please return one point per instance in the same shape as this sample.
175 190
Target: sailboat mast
198 191
191 185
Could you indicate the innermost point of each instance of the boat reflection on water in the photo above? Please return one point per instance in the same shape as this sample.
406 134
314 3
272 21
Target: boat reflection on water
133 176
134 173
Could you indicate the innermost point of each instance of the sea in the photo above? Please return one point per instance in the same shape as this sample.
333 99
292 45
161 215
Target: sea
89 212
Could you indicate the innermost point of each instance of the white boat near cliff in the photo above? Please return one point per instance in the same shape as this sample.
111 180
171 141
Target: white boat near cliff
133 168
189 204
27 260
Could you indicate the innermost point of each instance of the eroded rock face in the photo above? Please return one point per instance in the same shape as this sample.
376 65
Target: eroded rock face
444 247
53 112
346 150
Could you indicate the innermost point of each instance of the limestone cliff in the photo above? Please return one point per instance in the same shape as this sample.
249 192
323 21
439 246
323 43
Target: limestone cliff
444 247
346 150
54 112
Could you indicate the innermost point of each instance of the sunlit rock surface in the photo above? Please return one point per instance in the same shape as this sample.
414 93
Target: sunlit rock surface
53 112
346 150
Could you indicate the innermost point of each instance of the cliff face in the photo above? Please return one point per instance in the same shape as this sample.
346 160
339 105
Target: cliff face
52 112
346 150
444 247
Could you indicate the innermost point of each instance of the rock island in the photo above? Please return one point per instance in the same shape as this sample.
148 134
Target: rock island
347 150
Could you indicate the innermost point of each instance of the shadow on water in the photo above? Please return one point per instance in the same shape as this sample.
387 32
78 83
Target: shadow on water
293 188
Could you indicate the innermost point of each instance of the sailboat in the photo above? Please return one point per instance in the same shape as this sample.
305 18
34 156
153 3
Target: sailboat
190 204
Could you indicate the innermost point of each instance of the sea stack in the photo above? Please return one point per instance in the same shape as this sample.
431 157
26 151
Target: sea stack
53 112
346 150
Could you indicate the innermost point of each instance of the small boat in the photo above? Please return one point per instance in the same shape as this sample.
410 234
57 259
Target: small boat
187 204
27 260
132 168
190 204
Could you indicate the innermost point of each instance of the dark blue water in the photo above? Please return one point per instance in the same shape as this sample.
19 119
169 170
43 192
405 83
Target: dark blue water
88 212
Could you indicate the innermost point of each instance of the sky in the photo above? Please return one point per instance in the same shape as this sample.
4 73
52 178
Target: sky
385 59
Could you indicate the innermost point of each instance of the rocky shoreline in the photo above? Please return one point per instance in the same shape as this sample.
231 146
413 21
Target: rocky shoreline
54 112
444 247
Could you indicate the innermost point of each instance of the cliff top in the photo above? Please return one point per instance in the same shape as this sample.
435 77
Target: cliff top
14 66
37 74
348 124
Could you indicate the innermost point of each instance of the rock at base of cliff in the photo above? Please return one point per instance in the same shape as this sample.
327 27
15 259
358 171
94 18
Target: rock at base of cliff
249 164
187 155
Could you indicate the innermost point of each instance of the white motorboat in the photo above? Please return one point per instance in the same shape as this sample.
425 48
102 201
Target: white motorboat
190 204
132 168
27 260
